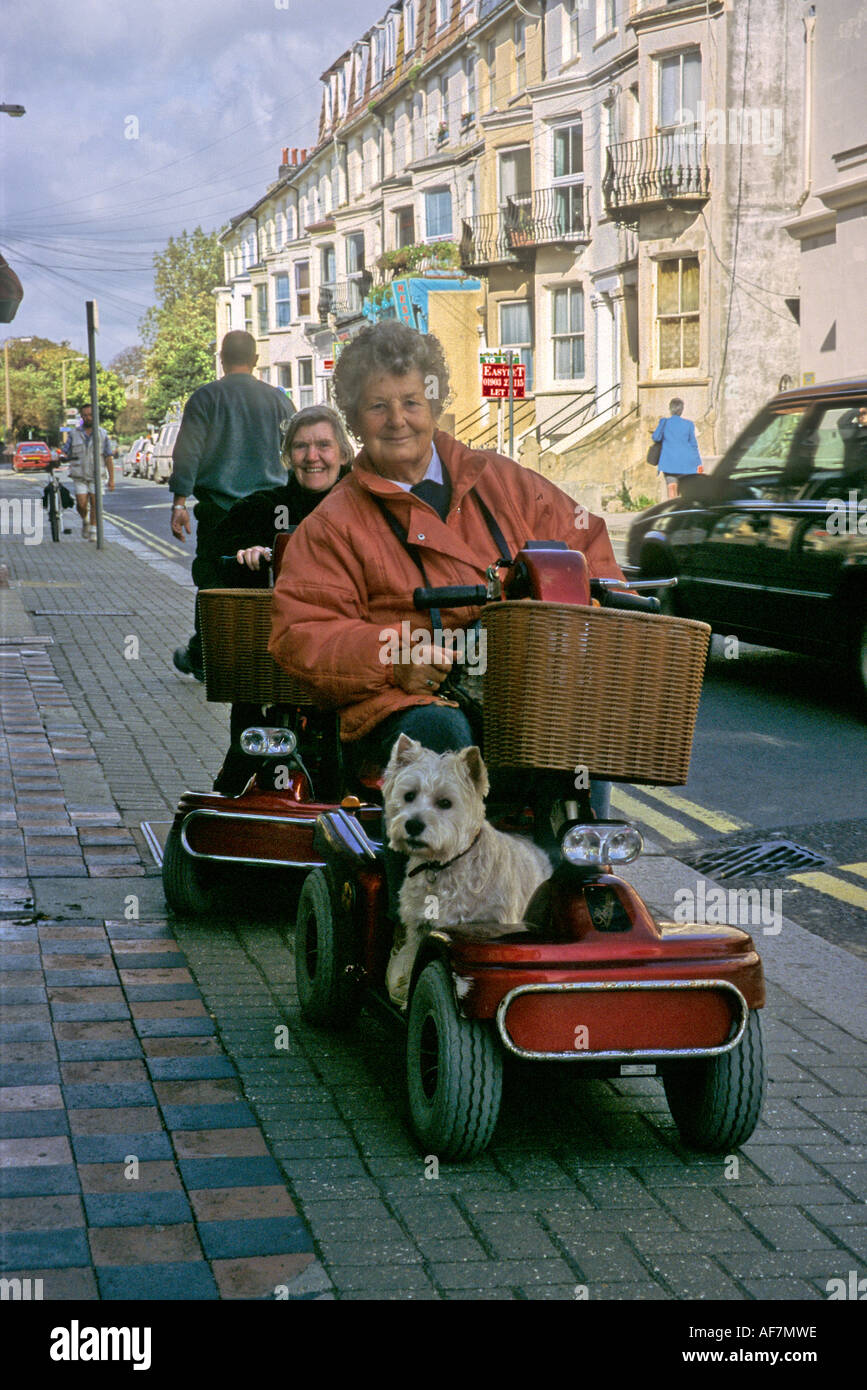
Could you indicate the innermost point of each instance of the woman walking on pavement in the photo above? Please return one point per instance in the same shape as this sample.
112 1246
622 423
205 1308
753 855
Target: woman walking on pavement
679 454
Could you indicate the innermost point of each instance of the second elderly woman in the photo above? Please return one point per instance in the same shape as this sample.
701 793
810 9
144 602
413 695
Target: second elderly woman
417 508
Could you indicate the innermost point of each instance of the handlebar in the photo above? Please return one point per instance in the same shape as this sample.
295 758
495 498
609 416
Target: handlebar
451 596
611 593
615 598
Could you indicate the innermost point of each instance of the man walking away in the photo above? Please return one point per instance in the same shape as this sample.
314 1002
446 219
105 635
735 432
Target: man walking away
81 472
228 446
679 454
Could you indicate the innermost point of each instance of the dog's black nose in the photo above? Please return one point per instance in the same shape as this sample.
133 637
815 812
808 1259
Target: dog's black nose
414 828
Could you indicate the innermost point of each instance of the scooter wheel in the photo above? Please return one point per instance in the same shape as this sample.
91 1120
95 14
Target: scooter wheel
189 886
716 1101
325 977
454 1072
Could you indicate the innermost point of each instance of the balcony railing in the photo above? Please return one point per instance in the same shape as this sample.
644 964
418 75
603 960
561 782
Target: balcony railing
344 298
659 169
549 215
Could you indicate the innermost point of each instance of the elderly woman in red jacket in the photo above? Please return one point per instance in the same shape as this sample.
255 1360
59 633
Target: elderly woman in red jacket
418 507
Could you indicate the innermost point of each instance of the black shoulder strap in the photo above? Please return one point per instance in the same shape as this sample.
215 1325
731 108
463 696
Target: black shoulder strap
496 534
414 553
401 534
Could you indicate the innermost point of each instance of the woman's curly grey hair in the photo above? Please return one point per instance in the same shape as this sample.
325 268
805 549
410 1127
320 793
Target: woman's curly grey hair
314 415
396 349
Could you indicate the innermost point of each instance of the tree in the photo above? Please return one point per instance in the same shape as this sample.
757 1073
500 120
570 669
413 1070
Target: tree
109 387
36 387
178 332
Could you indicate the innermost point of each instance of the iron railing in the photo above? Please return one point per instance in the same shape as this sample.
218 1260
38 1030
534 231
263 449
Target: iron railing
572 417
542 217
344 298
657 169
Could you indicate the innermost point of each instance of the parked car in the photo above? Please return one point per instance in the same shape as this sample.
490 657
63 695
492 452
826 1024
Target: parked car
161 461
771 547
131 460
32 453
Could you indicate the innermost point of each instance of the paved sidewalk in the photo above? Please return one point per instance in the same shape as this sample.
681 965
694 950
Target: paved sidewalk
157 1039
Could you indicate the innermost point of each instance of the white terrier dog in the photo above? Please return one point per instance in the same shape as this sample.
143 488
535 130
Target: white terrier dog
460 868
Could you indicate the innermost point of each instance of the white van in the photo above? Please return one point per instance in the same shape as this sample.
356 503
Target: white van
160 468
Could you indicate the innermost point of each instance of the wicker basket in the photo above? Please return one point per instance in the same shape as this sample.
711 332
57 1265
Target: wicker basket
615 692
236 626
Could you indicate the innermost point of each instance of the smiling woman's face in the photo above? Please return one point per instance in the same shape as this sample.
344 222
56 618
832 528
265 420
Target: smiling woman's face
396 425
314 457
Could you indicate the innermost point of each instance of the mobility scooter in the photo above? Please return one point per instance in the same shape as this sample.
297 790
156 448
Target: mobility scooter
583 681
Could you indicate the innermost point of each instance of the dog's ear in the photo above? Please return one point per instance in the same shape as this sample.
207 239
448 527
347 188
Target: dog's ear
404 751
475 767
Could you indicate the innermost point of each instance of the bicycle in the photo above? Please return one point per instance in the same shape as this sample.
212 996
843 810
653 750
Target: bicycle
55 498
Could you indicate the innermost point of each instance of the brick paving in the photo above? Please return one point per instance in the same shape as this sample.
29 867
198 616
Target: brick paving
269 1159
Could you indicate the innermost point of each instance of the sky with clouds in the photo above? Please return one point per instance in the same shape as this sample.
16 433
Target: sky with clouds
216 87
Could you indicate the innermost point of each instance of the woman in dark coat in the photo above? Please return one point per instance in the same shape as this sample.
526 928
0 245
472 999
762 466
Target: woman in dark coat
317 455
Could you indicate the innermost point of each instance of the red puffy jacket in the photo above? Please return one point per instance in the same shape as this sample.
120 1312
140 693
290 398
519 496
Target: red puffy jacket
346 582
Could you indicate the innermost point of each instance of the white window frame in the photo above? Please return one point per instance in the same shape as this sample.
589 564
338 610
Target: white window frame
262 316
284 300
306 387
570 336
444 9
570 46
439 236
409 26
396 214
606 17
491 63
519 41
568 182
377 54
661 62
390 44
525 350
681 315
300 289
471 94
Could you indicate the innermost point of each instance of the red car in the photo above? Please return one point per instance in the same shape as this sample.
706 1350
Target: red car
31 454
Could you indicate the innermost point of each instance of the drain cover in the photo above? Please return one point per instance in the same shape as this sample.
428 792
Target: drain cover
758 859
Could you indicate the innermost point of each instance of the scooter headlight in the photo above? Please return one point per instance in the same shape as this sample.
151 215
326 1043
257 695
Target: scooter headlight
268 743
590 846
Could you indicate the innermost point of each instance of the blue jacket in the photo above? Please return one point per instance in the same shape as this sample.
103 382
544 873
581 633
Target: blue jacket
679 445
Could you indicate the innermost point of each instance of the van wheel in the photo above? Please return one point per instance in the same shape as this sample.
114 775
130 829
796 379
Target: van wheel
190 885
326 974
716 1101
454 1070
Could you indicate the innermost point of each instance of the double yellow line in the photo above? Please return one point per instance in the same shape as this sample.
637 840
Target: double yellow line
139 533
665 825
840 888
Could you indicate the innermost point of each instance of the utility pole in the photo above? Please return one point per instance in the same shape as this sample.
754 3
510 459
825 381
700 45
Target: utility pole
92 330
8 396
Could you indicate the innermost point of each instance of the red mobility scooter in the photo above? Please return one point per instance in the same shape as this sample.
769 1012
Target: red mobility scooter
574 690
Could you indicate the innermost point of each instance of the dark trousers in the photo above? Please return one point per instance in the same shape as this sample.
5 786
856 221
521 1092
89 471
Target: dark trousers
206 570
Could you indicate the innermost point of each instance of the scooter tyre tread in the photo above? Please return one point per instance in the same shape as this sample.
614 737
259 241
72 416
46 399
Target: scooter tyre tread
185 883
716 1102
331 997
458 1122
